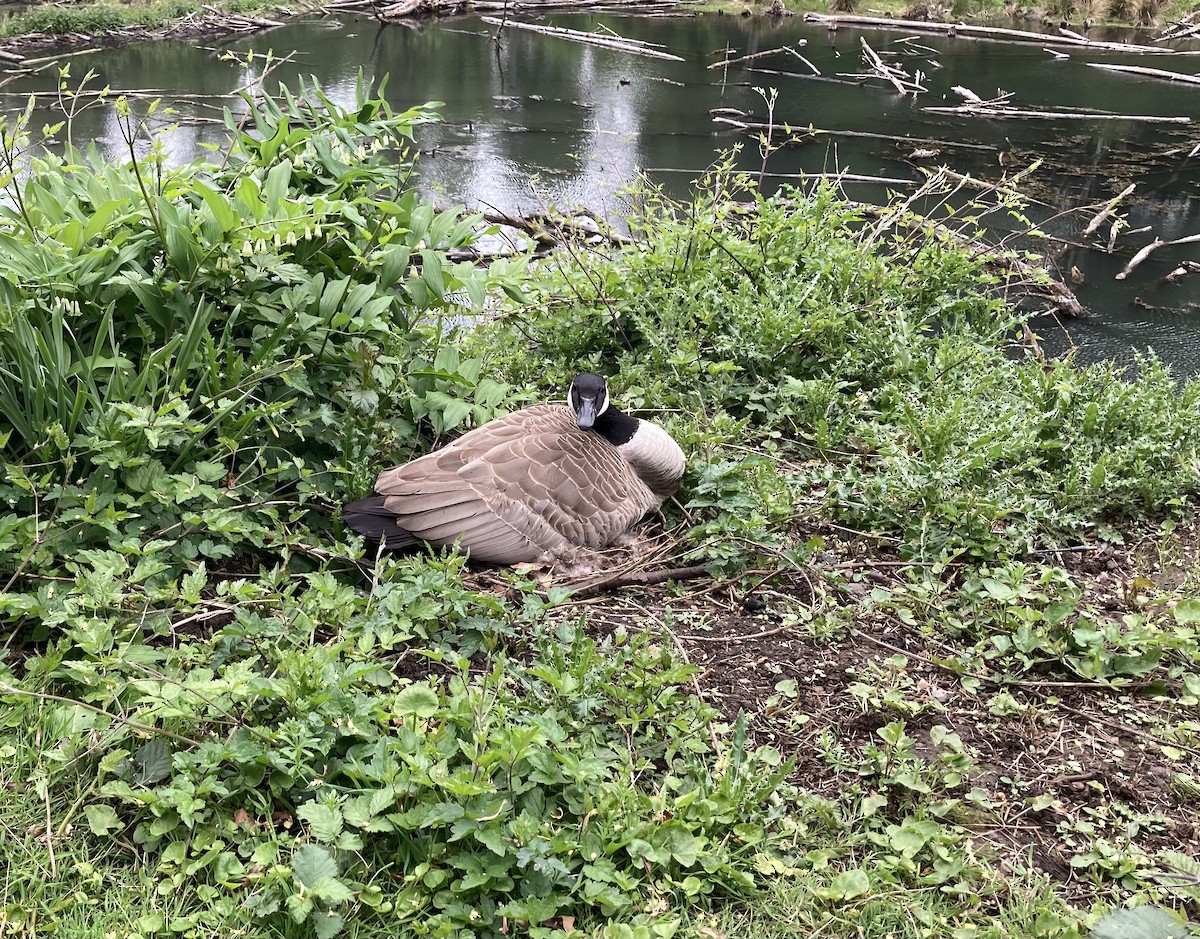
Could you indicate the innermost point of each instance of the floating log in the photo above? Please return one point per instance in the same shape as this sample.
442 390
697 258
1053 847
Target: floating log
816 76
725 63
1020 113
634 46
58 57
983 32
1185 268
1149 72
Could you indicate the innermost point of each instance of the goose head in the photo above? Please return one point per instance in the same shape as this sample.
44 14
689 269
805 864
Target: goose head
588 398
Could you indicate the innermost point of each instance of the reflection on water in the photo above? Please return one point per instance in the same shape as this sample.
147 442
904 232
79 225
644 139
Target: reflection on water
541 121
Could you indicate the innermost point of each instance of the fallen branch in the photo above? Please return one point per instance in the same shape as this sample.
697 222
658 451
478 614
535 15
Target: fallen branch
240 22
813 68
1149 72
1180 29
805 177
879 68
634 46
1150 249
801 134
1023 114
1108 210
754 55
985 32
1185 268
637 579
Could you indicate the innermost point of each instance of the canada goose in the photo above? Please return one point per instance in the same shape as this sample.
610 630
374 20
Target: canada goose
543 483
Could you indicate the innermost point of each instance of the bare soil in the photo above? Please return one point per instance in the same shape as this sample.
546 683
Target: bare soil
1108 758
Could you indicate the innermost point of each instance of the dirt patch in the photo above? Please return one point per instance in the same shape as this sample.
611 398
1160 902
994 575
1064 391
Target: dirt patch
1065 764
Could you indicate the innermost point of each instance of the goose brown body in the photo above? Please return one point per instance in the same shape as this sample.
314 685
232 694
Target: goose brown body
526 486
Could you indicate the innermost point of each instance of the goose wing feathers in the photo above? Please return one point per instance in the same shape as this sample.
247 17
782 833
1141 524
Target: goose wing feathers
520 486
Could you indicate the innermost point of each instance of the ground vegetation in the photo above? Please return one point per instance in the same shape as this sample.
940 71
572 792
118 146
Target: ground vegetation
934 671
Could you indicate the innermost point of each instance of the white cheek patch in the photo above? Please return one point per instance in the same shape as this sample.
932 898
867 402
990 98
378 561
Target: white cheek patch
603 406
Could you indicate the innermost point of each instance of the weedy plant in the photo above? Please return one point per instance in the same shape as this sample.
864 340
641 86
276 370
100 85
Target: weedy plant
196 362
193 362
872 352
196 352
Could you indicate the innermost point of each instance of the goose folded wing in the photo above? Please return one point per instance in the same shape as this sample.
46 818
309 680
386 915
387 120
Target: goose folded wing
562 489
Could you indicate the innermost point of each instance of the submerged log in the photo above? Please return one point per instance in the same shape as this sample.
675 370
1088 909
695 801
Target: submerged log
832 177
1025 114
984 32
801 133
634 46
1149 72
725 63
1185 268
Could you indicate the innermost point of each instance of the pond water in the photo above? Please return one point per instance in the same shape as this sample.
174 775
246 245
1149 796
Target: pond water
543 121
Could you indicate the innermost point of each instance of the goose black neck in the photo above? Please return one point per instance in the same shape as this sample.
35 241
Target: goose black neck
616 426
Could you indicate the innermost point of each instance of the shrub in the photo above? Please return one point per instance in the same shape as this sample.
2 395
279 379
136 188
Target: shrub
878 356
201 350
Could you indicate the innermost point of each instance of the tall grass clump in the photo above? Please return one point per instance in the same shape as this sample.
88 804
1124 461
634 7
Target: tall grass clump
175 343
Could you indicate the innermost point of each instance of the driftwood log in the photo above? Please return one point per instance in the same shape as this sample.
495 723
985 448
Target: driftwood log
981 32
793 133
1149 72
608 41
1150 249
1031 114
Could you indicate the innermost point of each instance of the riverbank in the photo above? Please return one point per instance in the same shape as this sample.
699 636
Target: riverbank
914 652
51 25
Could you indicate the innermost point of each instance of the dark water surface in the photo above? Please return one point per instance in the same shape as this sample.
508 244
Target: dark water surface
546 122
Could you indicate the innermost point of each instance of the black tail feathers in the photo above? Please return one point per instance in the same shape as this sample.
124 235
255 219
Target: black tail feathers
373 521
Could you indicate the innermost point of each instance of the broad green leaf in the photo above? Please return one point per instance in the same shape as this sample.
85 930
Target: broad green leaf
313 863
218 204
683 846
102 819
1187 612
153 762
327 924
331 890
1143 922
850 884
416 701
324 823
